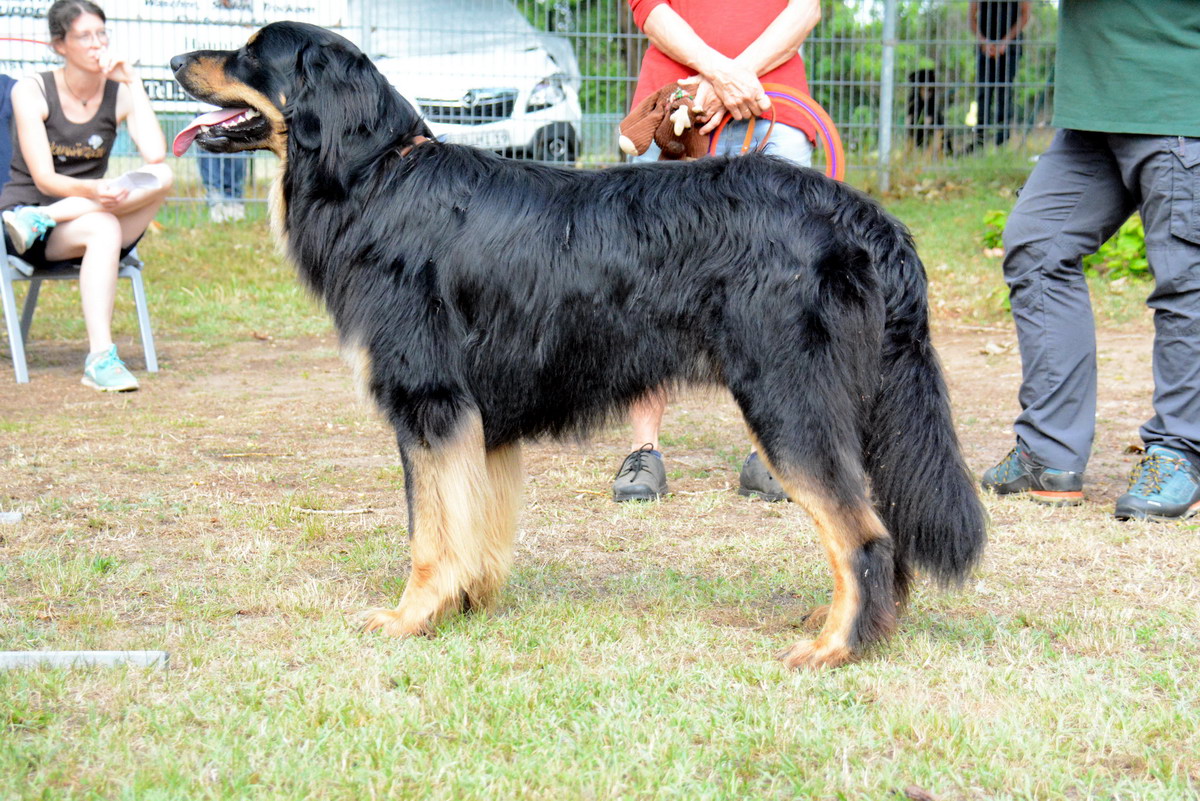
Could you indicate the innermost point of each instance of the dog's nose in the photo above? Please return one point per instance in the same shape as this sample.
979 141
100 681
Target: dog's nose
176 63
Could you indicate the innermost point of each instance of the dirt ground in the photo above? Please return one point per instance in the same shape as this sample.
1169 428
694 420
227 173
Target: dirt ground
214 420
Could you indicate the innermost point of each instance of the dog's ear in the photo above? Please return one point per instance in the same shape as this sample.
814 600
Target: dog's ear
303 115
338 109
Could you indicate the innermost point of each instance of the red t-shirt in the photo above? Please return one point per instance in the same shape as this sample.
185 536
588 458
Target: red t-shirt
727 28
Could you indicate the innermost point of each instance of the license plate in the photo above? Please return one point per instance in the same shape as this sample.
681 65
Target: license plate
490 139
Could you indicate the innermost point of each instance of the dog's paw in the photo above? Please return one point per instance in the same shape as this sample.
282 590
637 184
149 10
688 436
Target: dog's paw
815 618
394 623
814 654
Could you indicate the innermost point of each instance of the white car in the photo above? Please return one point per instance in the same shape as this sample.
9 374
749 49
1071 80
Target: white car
482 75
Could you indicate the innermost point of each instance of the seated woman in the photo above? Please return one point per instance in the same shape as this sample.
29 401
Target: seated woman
58 204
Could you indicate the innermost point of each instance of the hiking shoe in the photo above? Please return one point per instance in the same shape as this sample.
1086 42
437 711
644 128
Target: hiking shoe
1163 486
756 481
642 476
1017 472
106 372
26 225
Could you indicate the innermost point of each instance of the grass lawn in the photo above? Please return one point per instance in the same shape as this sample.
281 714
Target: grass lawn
242 506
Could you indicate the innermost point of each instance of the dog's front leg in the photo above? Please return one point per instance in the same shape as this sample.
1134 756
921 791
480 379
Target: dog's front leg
463 515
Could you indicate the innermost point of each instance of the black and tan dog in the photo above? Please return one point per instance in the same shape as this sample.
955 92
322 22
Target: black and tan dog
485 301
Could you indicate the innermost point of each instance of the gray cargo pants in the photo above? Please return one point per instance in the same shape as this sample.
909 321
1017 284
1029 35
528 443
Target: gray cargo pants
1080 191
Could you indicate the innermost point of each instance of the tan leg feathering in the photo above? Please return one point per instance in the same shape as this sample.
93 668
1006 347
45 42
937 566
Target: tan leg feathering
465 503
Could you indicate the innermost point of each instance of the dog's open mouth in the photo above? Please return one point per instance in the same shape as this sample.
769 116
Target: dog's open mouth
224 130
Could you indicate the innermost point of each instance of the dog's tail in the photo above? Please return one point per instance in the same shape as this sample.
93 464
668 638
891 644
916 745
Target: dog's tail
921 486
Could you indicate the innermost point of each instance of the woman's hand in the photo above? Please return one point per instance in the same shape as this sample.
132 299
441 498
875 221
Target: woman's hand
108 195
116 68
738 89
707 105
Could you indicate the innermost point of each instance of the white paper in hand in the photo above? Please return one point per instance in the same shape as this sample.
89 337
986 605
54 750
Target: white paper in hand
137 179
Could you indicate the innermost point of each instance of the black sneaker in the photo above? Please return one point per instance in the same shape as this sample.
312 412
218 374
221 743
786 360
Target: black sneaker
642 476
1019 473
756 481
1163 486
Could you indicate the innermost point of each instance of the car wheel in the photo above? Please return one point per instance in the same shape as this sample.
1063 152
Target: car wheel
555 143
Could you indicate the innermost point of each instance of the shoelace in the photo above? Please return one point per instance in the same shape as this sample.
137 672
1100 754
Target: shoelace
1147 478
635 461
1011 466
108 362
39 223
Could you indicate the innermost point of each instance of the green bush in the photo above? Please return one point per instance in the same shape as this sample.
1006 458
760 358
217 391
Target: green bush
993 233
1122 256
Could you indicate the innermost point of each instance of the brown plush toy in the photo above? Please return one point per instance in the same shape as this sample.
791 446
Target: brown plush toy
667 118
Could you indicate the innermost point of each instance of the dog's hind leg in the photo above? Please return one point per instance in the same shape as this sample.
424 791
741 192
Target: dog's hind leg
860 553
500 522
463 513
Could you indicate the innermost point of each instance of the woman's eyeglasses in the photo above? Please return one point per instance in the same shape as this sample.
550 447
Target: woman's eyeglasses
90 38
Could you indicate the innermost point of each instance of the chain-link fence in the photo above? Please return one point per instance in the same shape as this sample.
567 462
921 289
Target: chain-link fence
931 83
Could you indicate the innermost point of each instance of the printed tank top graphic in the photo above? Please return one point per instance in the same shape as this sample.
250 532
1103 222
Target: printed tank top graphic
93 148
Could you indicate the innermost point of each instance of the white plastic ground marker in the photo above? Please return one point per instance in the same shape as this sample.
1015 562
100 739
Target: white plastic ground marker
33 659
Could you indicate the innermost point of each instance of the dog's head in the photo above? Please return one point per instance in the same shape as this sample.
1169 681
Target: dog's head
291 87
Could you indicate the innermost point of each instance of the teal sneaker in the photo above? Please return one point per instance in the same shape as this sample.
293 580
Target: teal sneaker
1018 472
1164 486
26 225
106 372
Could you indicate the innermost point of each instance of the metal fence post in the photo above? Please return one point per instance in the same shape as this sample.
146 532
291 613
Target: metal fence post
887 94
365 24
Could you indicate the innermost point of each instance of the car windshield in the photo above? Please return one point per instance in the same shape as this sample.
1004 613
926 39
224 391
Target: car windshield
441 27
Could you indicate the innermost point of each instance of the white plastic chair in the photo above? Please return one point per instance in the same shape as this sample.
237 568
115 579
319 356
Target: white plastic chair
14 269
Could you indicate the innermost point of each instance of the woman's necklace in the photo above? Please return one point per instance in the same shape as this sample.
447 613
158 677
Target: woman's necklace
71 91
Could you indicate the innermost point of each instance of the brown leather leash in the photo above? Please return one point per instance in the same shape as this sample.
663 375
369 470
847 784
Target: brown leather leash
750 133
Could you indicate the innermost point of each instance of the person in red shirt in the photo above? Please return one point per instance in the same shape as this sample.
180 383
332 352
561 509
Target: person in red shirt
726 51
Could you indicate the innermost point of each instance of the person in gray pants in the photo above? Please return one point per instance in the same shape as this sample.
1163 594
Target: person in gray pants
1130 141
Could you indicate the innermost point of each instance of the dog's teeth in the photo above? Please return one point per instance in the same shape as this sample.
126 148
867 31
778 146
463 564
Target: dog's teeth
251 114
204 128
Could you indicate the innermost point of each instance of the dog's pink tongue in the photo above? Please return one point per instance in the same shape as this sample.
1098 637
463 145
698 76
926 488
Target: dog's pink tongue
188 135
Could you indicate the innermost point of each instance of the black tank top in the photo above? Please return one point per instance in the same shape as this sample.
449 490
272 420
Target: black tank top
79 149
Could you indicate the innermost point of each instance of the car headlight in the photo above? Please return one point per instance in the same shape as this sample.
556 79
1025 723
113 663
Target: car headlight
548 92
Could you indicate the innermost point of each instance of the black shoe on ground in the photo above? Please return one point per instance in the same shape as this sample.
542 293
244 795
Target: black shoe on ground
1019 473
756 481
642 476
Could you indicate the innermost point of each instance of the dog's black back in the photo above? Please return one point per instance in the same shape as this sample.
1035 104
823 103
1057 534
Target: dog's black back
534 267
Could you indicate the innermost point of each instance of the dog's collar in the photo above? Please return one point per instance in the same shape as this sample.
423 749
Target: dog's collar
416 142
